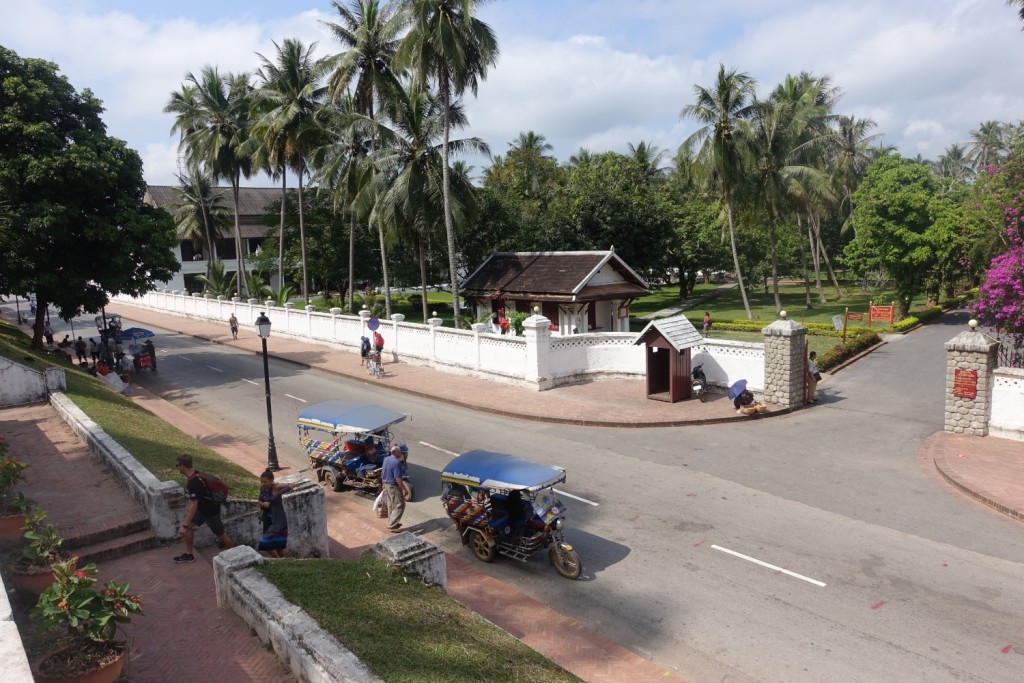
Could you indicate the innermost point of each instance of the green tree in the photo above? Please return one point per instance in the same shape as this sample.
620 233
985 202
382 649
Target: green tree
449 45
893 217
988 144
406 190
212 117
361 77
719 110
76 228
288 100
201 214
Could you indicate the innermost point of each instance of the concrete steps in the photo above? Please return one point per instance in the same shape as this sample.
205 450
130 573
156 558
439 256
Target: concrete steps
109 538
117 547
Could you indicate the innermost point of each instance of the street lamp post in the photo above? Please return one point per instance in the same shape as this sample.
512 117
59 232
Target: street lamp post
263 329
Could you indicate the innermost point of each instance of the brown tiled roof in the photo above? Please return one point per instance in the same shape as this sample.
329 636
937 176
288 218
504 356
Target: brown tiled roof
550 276
253 204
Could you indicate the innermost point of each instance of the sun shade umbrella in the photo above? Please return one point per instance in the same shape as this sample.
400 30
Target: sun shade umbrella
737 388
134 334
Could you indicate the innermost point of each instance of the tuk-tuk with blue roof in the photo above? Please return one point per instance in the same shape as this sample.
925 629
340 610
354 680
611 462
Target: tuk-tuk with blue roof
347 443
505 505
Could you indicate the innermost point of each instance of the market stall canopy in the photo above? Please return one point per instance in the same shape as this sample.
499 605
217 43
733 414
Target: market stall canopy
489 470
353 418
134 334
678 331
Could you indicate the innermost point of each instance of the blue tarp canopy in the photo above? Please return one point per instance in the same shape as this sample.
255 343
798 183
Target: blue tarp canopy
342 416
484 469
134 334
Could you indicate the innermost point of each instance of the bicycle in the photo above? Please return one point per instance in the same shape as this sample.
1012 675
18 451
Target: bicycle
373 366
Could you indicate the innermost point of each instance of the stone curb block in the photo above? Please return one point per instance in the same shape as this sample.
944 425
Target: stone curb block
312 654
940 465
13 659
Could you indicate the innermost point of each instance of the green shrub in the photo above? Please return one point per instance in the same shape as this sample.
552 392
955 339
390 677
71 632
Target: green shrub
851 348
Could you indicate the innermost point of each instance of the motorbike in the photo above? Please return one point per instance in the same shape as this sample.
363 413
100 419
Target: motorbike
504 505
347 443
700 383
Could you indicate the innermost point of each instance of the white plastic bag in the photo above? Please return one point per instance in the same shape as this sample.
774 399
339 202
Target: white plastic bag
379 502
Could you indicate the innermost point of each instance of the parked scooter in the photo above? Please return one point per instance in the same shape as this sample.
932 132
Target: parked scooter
700 383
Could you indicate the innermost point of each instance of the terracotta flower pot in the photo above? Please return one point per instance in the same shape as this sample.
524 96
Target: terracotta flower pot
32 582
95 663
10 529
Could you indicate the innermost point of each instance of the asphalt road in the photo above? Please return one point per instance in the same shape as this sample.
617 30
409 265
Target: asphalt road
876 569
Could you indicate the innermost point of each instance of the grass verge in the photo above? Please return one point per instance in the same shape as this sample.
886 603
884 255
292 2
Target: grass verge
404 630
153 442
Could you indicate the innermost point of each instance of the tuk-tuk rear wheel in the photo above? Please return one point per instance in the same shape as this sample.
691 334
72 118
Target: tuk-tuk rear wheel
566 562
484 551
332 479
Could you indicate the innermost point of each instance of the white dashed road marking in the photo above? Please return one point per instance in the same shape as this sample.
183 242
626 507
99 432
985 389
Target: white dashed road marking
817 583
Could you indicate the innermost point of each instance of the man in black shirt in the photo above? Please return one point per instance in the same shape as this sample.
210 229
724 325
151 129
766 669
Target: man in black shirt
201 509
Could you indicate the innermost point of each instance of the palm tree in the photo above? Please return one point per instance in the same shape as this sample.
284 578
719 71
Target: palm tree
649 157
1011 3
953 169
200 214
364 73
989 143
531 143
720 110
449 45
581 159
288 100
408 199
212 117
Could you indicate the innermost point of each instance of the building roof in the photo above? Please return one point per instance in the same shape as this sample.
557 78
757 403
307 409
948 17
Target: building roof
253 204
560 276
677 331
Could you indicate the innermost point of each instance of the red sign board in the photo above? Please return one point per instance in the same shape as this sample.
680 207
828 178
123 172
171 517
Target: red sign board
965 384
855 316
881 313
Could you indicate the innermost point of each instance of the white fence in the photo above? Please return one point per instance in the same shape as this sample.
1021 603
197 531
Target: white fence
537 360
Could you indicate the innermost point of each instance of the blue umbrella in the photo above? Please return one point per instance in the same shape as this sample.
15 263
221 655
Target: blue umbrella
134 334
737 388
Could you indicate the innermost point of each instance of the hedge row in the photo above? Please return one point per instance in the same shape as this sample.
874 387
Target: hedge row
851 348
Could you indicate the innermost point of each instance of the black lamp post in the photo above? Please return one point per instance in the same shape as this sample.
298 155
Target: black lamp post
263 329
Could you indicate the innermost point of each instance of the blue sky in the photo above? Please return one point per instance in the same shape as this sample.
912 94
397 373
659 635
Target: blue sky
598 74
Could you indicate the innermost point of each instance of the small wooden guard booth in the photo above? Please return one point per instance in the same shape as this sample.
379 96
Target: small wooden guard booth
668 342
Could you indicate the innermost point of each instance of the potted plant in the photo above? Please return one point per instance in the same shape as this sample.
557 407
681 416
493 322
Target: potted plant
13 506
90 618
32 567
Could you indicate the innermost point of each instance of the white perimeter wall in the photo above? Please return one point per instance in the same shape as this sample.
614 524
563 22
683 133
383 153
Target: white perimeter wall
1007 419
496 357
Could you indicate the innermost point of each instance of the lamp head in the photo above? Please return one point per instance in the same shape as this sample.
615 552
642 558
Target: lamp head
263 325
973 325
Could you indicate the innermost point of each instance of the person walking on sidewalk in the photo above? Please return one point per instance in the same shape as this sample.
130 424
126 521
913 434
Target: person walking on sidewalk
707 324
233 323
80 348
394 488
201 510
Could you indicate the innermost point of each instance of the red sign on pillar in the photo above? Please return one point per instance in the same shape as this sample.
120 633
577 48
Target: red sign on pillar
965 384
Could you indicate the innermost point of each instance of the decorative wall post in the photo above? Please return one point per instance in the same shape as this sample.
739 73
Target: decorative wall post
478 329
395 319
971 358
785 354
434 323
538 351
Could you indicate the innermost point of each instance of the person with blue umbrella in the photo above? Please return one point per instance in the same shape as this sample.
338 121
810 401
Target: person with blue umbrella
743 399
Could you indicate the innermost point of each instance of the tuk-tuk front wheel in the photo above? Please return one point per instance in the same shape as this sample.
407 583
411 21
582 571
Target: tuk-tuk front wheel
565 561
484 551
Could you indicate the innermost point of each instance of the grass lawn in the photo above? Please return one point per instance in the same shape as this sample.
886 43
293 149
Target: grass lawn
403 630
153 442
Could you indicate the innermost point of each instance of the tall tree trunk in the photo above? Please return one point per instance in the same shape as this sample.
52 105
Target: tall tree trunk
384 270
449 226
351 255
206 230
302 239
280 231
803 261
815 257
240 277
775 261
421 254
736 257
824 254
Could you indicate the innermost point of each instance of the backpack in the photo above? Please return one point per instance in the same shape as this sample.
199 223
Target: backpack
216 490
378 340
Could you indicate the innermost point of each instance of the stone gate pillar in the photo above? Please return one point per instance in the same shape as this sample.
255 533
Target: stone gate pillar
785 353
971 358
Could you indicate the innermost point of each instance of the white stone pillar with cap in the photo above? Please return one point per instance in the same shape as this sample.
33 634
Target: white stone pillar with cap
971 359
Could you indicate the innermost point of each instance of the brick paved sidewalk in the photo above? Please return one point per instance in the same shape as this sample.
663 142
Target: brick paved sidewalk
986 468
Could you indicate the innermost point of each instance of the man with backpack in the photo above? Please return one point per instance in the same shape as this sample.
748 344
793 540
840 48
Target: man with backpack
205 494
